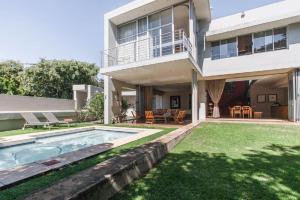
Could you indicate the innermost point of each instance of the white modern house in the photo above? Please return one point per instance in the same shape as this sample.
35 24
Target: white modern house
175 56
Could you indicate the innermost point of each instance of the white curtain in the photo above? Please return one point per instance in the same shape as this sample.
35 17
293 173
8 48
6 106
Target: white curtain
215 90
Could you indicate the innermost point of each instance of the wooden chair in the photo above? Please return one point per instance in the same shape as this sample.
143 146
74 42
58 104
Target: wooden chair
247 110
180 117
174 113
149 117
237 110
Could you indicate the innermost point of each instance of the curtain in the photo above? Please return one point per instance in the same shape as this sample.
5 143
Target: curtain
215 90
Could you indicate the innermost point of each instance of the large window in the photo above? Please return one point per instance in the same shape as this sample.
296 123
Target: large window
253 43
263 41
215 46
280 39
224 49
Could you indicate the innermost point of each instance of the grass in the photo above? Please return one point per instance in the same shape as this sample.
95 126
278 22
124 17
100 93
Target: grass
226 161
41 129
23 189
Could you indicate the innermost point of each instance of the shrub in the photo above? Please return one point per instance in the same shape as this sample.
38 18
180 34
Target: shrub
95 107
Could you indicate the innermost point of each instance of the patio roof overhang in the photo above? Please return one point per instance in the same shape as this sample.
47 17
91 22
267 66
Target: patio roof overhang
171 69
249 75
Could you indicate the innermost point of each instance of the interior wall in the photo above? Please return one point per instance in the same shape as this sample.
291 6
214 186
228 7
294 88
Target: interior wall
282 98
184 100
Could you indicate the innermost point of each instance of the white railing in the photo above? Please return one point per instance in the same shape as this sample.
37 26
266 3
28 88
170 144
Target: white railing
145 48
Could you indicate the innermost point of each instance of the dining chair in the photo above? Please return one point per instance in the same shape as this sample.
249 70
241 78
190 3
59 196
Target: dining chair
237 110
247 111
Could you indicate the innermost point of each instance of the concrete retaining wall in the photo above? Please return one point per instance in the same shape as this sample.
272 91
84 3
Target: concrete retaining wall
9 103
107 178
12 105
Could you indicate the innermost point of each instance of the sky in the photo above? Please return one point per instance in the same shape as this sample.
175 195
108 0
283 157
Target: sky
71 29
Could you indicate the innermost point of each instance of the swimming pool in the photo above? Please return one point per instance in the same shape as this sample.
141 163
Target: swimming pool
48 147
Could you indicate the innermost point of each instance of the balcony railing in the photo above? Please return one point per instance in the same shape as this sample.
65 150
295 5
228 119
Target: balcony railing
147 47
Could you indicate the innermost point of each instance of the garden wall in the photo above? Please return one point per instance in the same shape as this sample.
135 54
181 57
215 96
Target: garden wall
12 105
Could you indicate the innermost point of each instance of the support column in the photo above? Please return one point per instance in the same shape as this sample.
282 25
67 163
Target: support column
107 100
140 108
202 100
75 99
297 95
89 92
194 97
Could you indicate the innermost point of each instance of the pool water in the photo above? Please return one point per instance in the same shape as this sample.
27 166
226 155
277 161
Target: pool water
49 147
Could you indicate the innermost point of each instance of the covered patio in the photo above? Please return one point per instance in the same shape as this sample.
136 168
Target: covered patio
253 98
168 93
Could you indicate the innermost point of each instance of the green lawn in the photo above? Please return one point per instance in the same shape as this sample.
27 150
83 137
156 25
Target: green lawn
19 191
226 161
41 129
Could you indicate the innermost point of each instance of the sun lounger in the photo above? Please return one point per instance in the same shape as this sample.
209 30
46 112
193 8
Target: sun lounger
32 121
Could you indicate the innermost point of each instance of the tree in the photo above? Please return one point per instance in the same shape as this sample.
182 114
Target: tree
55 78
10 75
95 107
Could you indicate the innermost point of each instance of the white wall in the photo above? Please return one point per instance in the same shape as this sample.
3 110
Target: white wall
281 59
282 98
184 99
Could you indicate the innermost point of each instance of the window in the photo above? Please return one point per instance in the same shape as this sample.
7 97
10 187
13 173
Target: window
269 40
259 42
224 49
127 33
280 39
232 47
215 46
263 41
252 43
245 45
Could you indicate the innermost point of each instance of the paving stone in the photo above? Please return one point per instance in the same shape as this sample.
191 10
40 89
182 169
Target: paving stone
8 177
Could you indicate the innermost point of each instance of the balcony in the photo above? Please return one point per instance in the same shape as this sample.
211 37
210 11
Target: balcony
148 46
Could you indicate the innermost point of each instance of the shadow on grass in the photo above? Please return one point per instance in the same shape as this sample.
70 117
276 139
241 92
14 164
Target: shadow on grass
273 173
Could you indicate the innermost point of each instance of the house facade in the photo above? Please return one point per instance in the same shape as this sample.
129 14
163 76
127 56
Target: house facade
175 56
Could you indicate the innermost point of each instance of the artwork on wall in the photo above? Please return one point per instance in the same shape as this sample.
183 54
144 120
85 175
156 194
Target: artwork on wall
175 102
272 98
261 98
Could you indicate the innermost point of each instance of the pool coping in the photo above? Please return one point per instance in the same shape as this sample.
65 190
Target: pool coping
21 173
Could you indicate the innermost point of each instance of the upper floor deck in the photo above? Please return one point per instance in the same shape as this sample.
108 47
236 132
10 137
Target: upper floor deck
148 29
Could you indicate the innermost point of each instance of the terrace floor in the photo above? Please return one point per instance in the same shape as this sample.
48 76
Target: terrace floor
226 161
252 121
